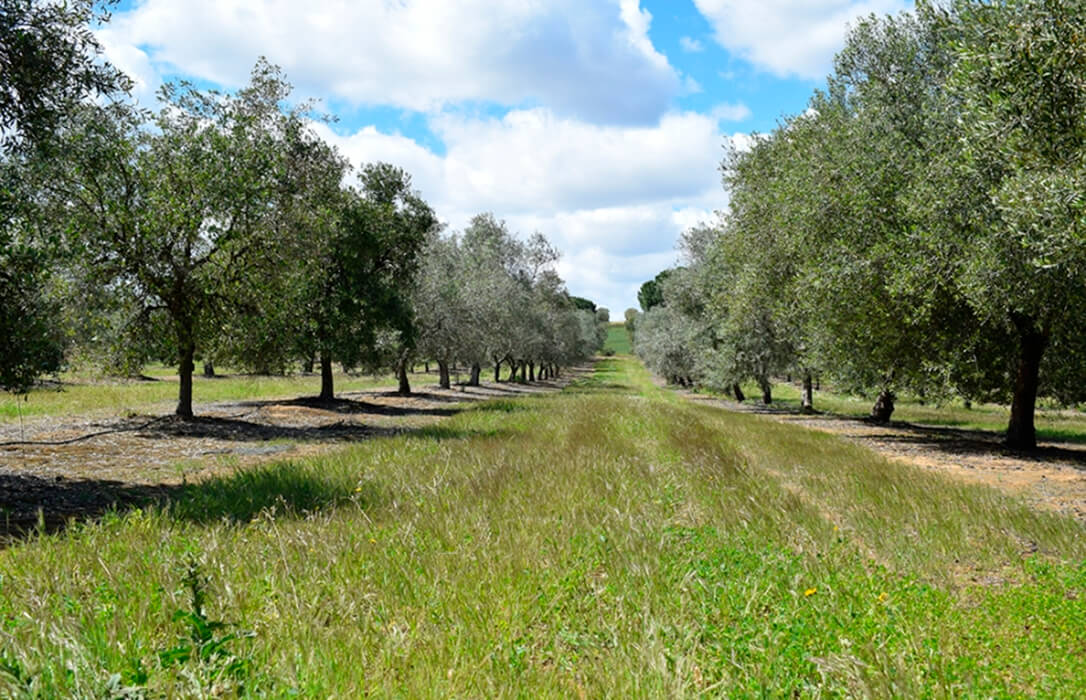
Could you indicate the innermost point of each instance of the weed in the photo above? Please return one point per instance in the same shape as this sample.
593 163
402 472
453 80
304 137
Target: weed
206 649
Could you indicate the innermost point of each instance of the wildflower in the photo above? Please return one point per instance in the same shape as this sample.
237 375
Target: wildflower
358 489
373 541
809 592
883 597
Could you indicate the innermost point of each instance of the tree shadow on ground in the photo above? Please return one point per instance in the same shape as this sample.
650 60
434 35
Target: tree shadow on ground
948 440
235 429
357 407
983 443
31 504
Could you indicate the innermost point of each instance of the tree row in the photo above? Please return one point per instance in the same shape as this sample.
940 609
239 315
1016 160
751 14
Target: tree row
920 227
220 227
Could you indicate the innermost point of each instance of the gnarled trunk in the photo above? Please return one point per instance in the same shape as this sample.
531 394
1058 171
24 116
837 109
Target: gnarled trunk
738 393
476 370
443 374
807 404
1021 431
512 371
209 369
327 389
531 371
185 367
884 407
497 371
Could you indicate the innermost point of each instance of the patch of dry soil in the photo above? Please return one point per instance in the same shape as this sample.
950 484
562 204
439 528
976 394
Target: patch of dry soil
58 468
1052 477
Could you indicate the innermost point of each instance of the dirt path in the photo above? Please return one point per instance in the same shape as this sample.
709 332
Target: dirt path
58 468
1053 477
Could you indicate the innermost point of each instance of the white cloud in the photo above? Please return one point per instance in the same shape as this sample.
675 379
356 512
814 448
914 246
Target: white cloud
591 151
134 62
691 86
690 45
727 112
593 60
614 199
789 37
533 160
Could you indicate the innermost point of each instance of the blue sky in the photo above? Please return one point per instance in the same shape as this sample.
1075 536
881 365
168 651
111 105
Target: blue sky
600 123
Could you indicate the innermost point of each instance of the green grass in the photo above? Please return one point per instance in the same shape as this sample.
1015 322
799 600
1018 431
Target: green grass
1052 424
618 340
608 541
81 396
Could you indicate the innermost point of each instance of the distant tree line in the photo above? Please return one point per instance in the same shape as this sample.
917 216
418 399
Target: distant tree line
920 227
221 228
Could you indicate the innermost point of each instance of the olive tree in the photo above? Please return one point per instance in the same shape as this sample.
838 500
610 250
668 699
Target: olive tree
49 65
175 208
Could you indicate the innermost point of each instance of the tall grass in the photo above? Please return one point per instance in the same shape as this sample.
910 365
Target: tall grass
609 541
119 397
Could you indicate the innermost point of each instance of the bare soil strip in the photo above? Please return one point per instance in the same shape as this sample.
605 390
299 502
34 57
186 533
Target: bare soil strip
1052 477
58 468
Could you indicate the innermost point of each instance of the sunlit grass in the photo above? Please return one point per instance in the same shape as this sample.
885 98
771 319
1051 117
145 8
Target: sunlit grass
1052 424
81 395
609 541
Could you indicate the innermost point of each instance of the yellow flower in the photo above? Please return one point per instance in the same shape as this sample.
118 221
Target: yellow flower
373 541
883 597
358 489
809 592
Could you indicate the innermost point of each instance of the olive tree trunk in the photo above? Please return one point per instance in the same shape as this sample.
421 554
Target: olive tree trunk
884 406
443 374
1021 431
327 382
185 367
767 390
401 374
738 392
476 370
807 405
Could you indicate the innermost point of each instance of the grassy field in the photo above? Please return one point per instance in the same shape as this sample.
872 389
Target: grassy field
607 541
618 340
1052 424
80 395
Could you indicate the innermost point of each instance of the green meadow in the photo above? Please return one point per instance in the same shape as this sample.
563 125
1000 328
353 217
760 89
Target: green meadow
609 540
618 340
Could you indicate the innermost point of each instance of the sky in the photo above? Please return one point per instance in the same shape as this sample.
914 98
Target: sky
600 123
